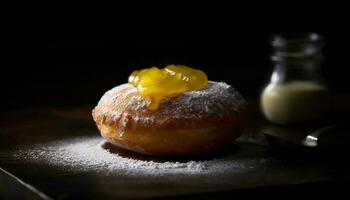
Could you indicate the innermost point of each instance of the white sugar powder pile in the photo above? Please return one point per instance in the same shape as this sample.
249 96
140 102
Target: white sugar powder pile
87 154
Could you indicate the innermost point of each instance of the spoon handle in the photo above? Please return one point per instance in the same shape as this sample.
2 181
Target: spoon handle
313 139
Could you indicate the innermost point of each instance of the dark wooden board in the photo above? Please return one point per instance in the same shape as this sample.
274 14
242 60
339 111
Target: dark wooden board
283 172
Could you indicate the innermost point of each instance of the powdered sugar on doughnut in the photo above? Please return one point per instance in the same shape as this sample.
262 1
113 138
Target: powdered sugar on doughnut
217 99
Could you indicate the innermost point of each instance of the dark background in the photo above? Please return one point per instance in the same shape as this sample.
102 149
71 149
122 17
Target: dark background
69 54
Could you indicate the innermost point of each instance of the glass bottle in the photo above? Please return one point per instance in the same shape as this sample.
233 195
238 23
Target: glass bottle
296 92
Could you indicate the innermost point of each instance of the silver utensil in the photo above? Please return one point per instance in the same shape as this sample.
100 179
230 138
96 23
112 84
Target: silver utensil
333 136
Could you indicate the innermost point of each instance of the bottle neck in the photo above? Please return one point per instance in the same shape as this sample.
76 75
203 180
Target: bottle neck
298 70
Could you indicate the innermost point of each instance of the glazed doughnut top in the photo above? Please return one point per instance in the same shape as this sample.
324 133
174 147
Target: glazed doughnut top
124 104
158 84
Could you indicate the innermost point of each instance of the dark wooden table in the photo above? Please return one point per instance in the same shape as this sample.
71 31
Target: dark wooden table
291 174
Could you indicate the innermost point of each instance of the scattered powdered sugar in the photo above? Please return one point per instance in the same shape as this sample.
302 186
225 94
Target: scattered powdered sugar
87 154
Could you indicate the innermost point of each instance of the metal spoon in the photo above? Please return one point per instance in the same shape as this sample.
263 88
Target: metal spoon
333 136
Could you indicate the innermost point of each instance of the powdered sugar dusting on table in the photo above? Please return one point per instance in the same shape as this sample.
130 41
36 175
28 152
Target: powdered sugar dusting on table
86 154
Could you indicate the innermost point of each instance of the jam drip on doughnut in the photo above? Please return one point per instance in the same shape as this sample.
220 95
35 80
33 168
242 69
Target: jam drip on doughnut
158 84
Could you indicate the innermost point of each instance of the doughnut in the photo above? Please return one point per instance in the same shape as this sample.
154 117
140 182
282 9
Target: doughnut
193 123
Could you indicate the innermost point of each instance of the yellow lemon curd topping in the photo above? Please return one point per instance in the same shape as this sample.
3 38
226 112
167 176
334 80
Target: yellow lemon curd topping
158 84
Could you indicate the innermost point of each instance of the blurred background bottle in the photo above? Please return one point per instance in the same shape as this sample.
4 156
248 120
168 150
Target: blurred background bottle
297 92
